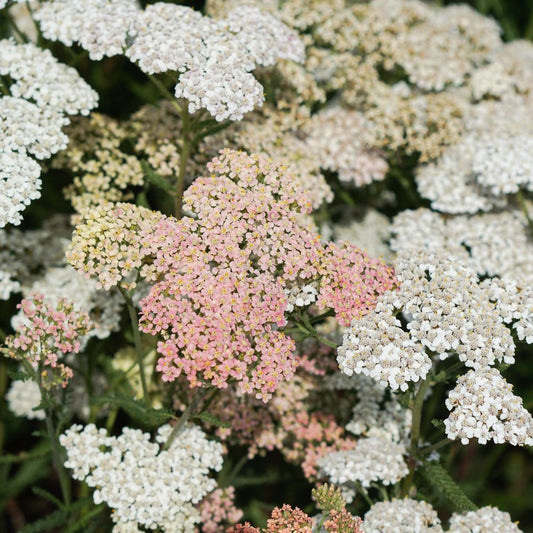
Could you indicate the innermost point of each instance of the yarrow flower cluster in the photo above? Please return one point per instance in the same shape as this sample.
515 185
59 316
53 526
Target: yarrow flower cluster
374 459
42 92
144 484
483 407
478 173
46 333
446 312
492 244
111 243
337 136
402 516
229 267
23 397
484 519
214 58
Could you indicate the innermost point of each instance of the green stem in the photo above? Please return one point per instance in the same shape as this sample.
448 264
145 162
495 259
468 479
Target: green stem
57 454
434 447
209 131
523 206
165 92
184 418
3 387
364 493
417 404
137 340
321 317
111 417
235 470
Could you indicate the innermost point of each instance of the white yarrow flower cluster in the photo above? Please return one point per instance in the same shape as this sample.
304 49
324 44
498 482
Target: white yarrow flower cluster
402 516
505 164
478 173
7 285
264 38
42 92
140 481
336 136
444 311
484 519
22 399
99 26
514 303
483 407
378 347
39 77
449 312
214 58
26 128
374 459
19 185
492 244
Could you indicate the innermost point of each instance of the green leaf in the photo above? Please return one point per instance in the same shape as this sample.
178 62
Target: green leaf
439 424
48 496
28 474
85 520
18 375
437 476
55 519
137 410
154 178
211 419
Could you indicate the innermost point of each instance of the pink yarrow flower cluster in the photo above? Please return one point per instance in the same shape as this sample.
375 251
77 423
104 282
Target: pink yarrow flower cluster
352 281
222 274
218 509
47 333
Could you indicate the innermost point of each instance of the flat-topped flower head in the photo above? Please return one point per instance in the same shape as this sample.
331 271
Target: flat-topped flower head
214 58
484 519
111 242
99 26
26 128
445 311
45 334
374 459
248 208
483 407
402 516
144 484
20 183
39 77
